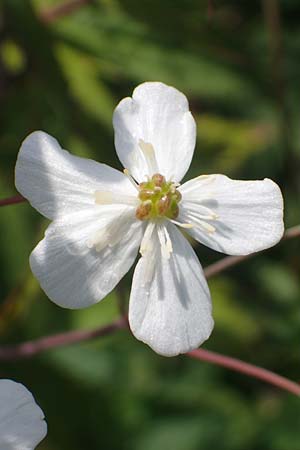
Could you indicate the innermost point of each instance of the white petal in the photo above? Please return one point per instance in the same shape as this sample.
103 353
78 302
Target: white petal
22 424
159 115
249 213
56 182
170 306
83 257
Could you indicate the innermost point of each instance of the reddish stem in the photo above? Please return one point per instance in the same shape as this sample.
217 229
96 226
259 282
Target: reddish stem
210 9
240 366
230 261
32 348
12 200
52 14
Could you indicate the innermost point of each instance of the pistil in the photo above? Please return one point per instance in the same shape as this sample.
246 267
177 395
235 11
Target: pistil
158 199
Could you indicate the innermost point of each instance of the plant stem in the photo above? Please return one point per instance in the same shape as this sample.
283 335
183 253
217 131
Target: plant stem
230 261
12 200
51 14
32 348
248 369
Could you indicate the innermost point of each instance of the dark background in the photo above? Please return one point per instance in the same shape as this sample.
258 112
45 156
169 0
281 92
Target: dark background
239 65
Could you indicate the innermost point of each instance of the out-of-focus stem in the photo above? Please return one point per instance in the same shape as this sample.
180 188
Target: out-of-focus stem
230 261
32 348
248 369
210 9
56 12
12 200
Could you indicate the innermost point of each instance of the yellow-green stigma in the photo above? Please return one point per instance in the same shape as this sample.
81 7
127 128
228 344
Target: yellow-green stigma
158 199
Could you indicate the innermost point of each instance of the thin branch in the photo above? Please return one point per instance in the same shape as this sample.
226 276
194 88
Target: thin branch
291 233
65 9
230 261
210 9
248 369
32 348
12 200
223 264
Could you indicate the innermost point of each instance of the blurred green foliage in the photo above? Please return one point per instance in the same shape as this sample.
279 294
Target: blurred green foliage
241 72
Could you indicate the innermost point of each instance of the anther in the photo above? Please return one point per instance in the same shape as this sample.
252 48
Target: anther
145 194
143 212
163 205
158 179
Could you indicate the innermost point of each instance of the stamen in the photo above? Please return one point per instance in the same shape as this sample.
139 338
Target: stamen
200 210
111 233
168 241
176 183
165 241
206 180
110 198
103 198
150 262
196 222
99 240
205 217
131 179
206 226
146 244
182 225
158 198
149 154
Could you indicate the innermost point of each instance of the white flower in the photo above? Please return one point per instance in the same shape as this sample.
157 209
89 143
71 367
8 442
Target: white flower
102 217
22 424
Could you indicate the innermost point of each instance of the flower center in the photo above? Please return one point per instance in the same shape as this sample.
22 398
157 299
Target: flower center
158 198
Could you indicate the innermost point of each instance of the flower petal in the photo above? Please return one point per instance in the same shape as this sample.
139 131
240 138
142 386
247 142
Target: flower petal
22 424
249 214
82 258
159 115
170 306
56 182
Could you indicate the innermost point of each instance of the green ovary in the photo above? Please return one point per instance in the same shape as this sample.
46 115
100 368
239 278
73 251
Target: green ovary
158 199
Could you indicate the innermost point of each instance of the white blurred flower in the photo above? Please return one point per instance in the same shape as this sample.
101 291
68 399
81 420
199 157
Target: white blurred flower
102 217
22 424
